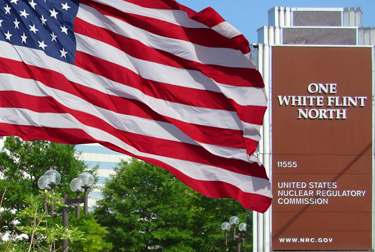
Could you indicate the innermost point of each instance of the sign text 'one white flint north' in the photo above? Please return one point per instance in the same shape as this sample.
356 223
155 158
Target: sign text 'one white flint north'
327 105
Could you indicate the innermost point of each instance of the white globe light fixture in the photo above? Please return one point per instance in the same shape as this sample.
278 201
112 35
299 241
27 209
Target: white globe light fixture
87 179
54 177
242 227
43 183
76 185
225 226
234 220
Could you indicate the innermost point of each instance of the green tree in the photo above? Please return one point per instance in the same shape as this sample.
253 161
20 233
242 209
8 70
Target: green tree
38 225
94 235
22 163
146 208
140 207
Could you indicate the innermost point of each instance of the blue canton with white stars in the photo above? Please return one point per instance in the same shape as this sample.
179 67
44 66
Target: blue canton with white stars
46 25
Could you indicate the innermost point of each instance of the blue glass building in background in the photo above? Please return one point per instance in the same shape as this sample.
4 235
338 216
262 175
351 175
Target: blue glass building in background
105 159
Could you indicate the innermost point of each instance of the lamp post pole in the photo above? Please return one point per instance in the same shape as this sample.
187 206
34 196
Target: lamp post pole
78 185
65 217
65 221
85 201
226 226
78 206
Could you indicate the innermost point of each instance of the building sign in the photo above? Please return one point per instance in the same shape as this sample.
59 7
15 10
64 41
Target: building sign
322 148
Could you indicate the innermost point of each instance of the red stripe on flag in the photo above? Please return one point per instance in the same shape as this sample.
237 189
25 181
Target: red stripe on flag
211 18
168 92
200 36
246 77
208 17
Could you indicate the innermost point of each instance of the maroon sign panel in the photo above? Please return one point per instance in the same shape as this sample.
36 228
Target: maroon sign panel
322 148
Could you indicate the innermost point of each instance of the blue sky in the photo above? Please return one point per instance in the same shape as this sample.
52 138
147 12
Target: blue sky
249 15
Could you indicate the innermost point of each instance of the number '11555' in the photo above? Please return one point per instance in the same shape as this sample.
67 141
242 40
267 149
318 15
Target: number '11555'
287 164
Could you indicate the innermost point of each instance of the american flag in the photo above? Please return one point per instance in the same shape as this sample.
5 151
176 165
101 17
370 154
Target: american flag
149 78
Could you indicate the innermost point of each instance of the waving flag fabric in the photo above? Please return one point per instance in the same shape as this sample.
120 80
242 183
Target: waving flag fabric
148 78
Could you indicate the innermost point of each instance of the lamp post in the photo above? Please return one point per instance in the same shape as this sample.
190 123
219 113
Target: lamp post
226 226
48 181
78 185
87 183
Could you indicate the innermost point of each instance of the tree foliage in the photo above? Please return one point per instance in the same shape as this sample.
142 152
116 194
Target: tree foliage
42 232
94 235
146 208
22 163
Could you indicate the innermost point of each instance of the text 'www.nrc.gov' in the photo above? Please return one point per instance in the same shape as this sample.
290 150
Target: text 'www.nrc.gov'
306 240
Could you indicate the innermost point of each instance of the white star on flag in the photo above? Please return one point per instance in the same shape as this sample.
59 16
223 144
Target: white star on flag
43 20
24 37
16 23
63 53
65 6
64 29
24 13
53 36
8 35
33 4
53 13
33 29
42 45
7 9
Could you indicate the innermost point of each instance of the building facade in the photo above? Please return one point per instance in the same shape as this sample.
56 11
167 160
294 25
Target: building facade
106 159
297 30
